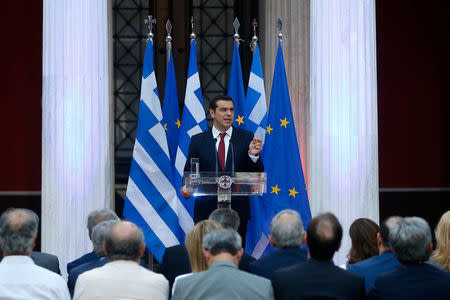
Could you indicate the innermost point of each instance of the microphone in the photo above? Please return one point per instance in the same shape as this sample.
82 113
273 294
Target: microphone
215 151
232 158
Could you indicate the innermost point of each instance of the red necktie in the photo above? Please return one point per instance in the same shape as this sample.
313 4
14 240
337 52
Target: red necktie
221 151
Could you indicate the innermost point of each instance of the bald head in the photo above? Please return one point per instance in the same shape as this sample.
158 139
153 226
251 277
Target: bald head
125 241
324 235
18 230
286 229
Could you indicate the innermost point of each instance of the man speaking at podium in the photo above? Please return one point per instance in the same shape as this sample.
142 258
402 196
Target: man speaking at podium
224 148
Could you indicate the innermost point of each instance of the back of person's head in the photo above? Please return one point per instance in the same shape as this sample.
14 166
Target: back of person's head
18 230
125 241
286 229
385 226
410 240
194 240
97 216
222 240
442 253
226 217
363 233
323 236
101 230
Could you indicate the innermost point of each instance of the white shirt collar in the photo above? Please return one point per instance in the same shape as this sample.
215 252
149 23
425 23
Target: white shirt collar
216 132
17 259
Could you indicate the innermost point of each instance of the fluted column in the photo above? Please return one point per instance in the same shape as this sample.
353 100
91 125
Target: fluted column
76 106
295 17
344 135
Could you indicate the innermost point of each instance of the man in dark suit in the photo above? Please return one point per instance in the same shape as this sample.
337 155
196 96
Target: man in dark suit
175 261
376 265
224 148
98 238
45 260
319 278
286 234
411 242
95 217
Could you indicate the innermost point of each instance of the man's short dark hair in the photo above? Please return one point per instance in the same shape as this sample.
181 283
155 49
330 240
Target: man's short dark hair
18 228
226 217
324 235
385 226
120 247
222 240
213 102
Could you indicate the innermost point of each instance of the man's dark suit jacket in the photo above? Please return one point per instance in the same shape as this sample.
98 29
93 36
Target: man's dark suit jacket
374 266
283 258
176 262
316 279
82 260
78 270
203 147
421 281
45 260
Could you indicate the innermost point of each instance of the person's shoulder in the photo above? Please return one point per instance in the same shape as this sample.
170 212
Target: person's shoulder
201 135
364 264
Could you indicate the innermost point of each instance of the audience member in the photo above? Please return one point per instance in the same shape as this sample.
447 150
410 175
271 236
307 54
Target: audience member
223 280
441 256
95 217
286 234
363 233
319 278
379 264
99 234
410 240
229 218
122 277
175 261
20 277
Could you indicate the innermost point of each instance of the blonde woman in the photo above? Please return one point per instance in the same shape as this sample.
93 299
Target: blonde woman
441 256
194 240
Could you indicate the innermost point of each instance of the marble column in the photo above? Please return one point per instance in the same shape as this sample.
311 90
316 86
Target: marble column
76 116
344 135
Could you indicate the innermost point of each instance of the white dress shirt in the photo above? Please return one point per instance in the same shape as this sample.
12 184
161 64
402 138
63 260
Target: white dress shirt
21 278
121 279
216 135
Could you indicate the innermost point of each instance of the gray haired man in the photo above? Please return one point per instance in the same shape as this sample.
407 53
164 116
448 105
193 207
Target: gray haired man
287 235
410 240
95 217
223 280
20 278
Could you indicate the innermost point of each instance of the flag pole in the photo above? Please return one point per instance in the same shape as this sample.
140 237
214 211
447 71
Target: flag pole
254 41
168 41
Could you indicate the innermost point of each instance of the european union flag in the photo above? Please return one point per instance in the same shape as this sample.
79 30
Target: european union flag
236 87
170 111
285 181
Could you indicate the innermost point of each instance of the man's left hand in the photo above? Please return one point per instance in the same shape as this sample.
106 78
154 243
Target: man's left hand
255 146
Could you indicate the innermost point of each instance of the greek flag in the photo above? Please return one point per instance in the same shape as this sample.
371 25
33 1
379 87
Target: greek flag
193 122
151 201
255 105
